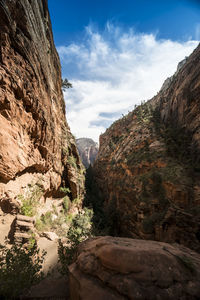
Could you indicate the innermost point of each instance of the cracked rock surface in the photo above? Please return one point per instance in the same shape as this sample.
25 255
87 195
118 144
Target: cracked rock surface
122 268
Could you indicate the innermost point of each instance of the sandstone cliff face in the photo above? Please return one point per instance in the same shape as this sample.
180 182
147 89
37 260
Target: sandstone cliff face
148 164
122 268
88 150
36 145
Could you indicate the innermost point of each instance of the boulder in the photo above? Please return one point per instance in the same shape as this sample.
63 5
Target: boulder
52 236
121 268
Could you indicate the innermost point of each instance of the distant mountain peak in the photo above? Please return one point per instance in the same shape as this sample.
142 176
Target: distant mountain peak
88 150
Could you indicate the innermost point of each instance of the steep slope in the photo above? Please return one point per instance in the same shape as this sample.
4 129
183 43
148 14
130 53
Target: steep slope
37 151
88 150
148 166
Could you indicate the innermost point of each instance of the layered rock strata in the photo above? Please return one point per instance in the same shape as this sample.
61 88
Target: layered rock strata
36 145
148 166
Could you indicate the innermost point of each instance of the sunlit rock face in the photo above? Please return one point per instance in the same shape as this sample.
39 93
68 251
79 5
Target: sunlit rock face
88 150
122 268
36 145
148 166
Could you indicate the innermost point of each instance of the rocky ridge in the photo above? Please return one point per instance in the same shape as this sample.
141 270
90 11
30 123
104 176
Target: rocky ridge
147 169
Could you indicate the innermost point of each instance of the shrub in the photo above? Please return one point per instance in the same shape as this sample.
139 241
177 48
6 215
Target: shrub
66 203
66 84
72 161
45 222
30 199
19 269
65 190
79 231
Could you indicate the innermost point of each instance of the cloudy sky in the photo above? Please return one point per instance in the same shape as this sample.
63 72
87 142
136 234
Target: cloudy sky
117 59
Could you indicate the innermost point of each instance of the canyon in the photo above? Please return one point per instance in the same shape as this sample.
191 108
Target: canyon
143 185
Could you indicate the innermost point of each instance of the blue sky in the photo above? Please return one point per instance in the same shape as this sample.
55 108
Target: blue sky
117 53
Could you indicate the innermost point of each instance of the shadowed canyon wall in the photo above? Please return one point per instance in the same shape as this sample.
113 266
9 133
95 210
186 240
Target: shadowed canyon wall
148 166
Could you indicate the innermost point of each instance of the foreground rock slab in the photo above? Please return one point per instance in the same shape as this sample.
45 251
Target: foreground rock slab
108 268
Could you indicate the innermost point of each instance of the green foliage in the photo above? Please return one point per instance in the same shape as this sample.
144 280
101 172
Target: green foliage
30 199
69 218
72 161
66 84
32 241
79 231
80 228
39 225
59 223
47 218
144 112
65 190
19 269
66 203
45 221
77 201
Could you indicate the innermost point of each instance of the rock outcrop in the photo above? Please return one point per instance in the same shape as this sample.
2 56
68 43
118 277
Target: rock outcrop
88 150
148 166
121 268
36 145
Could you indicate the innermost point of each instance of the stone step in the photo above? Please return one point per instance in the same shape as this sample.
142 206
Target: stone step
20 223
22 235
25 218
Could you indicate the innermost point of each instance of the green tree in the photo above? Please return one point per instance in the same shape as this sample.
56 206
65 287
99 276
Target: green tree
20 268
66 84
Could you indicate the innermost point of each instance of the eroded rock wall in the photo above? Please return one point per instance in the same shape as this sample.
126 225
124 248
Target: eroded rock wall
148 168
36 145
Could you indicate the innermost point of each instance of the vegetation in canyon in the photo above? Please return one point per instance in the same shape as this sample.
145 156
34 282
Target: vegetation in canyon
20 268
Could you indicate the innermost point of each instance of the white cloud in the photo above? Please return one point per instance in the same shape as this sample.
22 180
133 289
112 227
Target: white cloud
112 71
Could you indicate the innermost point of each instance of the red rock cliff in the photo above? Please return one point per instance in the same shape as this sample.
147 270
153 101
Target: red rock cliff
148 166
35 140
